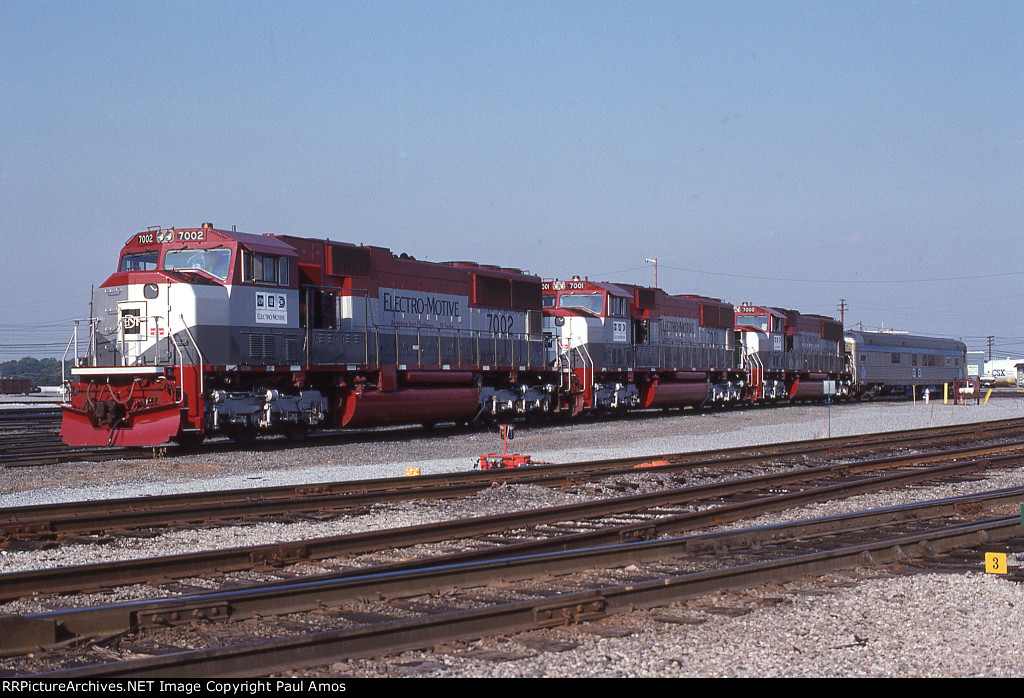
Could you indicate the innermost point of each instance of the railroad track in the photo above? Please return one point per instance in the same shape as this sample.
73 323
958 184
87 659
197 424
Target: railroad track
647 516
209 508
913 532
32 438
498 543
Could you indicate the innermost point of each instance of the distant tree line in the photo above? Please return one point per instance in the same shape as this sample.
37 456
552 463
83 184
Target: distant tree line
39 371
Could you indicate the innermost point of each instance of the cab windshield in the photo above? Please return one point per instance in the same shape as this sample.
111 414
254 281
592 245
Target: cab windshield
588 302
758 321
214 261
140 261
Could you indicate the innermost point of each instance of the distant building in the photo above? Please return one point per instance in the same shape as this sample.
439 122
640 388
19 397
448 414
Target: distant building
975 364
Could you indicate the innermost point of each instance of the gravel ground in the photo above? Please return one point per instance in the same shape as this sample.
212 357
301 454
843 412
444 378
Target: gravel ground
848 625
927 625
449 450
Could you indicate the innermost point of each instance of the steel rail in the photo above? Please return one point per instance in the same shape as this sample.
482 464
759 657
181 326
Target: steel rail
75 578
738 454
262 657
203 507
25 633
32 437
66 454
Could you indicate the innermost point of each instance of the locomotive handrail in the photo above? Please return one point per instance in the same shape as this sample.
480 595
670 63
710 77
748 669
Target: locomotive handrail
367 310
754 359
65 389
155 319
122 343
587 358
92 338
497 348
199 353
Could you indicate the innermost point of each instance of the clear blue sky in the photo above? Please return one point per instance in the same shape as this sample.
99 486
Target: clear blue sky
783 153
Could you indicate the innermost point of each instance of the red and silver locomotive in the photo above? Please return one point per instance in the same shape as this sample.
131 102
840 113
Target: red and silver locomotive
203 331
789 356
627 346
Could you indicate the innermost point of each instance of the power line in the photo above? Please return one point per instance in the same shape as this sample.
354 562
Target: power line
932 279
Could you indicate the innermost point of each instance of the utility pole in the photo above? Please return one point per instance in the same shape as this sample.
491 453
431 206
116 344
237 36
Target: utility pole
655 263
842 311
990 338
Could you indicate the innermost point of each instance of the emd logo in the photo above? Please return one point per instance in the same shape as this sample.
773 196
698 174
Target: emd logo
130 321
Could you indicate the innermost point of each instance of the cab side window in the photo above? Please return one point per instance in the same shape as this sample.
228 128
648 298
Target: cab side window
264 268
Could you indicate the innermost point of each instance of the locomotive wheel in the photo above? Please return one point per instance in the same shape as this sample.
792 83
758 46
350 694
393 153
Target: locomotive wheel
190 440
297 432
244 436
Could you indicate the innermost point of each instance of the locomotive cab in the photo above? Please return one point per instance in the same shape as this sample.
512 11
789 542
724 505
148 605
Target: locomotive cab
590 319
592 343
230 291
763 336
183 300
620 346
790 355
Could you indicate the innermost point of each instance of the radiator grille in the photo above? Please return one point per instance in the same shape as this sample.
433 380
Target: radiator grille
291 350
261 347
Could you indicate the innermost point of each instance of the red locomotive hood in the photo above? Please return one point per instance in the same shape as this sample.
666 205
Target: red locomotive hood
183 276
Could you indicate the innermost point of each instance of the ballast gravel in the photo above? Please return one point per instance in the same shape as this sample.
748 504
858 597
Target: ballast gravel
927 625
862 623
